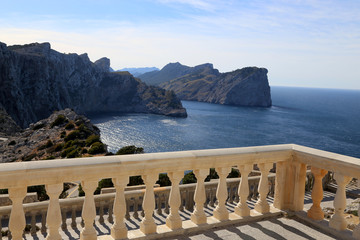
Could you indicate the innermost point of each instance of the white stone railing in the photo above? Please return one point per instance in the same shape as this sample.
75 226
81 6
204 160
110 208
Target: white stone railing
291 160
71 207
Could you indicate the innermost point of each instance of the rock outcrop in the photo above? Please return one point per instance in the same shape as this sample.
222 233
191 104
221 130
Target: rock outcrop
36 80
172 71
8 126
63 134
244 87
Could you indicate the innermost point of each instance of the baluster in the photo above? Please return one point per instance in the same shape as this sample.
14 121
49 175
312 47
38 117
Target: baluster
43 222
242 208
220 212
110 211
166 198
73 216
101 212
148 225
315 212
127 215
63 217
33 223
356 231
338 220
88 211
136 208
159 202
182 199
17 218
262 206
173 220
119 230
198 216
54 213
212 195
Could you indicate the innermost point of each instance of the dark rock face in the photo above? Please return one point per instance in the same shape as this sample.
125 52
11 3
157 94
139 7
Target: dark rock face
172 71
7 125
244 87
36 80
103 64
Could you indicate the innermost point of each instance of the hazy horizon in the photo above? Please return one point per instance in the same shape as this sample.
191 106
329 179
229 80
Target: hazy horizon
302 43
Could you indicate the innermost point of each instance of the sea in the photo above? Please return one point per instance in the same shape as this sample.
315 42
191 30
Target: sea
326 119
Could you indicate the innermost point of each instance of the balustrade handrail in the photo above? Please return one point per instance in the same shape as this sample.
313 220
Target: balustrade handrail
348 166
67 170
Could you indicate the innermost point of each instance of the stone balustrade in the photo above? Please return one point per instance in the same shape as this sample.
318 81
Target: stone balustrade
288 187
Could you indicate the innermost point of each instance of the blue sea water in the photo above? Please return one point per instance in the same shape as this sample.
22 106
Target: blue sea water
327 119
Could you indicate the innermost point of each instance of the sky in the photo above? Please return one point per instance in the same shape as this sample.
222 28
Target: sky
306 43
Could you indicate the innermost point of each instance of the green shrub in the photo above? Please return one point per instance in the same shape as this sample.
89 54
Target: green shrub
130 150
65 152
84 150
73 154
49 144
62 134
29 157
135 180
234 173
79 122
11 143
38 126
69 126
58 147
97 148
84 131
72 135
61 119
50 157
189 178
81 191
4 191
92 139
212 175
163 180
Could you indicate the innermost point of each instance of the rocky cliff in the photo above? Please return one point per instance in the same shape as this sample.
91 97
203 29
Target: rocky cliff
36 80
172 71
244 87
64 134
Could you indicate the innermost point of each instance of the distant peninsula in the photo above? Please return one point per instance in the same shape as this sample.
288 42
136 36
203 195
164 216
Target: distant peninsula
36 80
248 86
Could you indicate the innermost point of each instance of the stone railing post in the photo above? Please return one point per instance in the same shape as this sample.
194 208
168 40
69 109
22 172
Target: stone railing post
338 221
173 221
280 185
148 225
220 212
54 213
262 206
17 217
198 216
315 212
119 230
242 209
89 211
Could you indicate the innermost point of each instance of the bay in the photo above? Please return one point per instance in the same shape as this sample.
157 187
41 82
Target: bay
327 119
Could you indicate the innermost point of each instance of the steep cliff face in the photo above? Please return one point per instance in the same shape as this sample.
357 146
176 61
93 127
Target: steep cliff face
173 71
36 80
244 87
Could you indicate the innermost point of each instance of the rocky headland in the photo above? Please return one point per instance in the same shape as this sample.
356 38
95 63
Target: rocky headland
36 80
64 134
243 87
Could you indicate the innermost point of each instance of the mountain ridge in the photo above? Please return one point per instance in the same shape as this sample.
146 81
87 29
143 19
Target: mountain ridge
36 80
